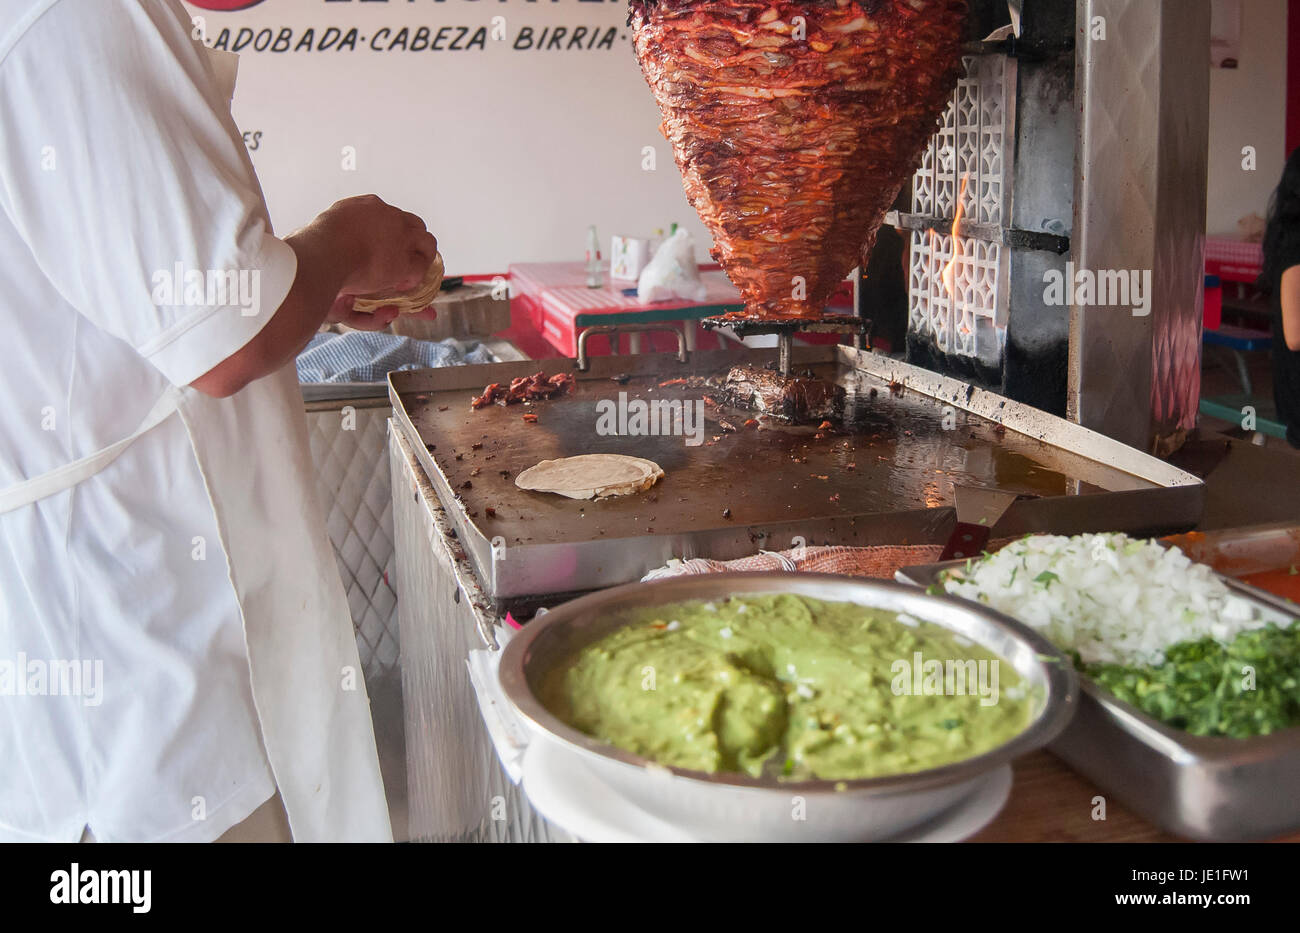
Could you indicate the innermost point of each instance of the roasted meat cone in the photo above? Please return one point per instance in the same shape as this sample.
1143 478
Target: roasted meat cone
795 124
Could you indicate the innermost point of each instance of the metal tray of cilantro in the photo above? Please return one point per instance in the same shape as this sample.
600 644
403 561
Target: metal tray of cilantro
1206 745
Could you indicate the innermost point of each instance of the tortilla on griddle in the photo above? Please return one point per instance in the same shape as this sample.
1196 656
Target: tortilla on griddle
591 476
417 299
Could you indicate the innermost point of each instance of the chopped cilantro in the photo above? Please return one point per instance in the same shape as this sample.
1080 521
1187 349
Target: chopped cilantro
1204 688
1047 578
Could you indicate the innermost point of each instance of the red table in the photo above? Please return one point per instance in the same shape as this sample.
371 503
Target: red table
554 296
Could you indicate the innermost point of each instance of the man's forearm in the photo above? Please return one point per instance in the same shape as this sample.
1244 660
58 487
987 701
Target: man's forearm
321 274
359 246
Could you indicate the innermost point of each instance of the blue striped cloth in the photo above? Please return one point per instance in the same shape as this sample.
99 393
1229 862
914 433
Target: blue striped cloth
366 356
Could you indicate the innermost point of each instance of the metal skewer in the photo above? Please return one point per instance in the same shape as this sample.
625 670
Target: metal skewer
786 328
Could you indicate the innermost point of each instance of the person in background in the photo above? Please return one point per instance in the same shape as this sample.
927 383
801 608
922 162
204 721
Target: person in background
177 659
1281 280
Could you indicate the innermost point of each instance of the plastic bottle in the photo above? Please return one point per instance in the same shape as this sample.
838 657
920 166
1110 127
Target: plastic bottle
595 275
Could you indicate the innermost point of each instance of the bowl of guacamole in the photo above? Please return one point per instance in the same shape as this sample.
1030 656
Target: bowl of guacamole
774 707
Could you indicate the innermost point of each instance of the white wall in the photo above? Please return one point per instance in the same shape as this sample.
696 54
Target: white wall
1248 108
508 154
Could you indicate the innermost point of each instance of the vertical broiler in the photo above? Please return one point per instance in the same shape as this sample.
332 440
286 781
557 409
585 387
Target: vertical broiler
1071 138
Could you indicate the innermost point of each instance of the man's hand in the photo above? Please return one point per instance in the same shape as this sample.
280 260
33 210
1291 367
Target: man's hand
386 250
342 313
368 220
360 246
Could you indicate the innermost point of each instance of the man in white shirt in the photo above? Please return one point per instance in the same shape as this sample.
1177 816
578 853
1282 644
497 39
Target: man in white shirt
175 645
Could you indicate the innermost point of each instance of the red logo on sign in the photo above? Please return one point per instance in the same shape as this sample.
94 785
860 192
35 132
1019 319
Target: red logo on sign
225 6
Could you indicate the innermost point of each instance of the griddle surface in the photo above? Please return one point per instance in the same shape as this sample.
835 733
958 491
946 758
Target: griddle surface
892 454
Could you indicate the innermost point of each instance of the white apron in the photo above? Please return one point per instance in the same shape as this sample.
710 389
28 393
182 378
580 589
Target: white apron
253 452
311 700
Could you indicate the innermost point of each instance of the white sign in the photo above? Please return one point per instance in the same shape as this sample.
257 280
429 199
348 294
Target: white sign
509 125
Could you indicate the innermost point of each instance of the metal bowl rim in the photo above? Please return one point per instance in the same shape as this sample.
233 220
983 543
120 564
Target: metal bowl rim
1059 677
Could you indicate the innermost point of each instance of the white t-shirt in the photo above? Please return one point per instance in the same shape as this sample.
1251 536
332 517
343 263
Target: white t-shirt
119 161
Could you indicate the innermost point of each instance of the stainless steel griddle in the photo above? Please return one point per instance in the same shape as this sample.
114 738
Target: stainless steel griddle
885 476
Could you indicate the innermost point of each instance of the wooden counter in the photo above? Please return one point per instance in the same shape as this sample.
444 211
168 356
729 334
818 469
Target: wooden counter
1050 803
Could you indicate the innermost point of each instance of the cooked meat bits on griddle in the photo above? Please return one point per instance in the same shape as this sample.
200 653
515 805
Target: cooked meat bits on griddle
793 398
524 388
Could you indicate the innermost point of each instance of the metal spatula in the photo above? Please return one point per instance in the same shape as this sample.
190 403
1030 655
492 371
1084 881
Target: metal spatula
978 510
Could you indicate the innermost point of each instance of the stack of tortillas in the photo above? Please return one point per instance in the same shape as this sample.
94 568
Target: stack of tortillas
591 476
417 299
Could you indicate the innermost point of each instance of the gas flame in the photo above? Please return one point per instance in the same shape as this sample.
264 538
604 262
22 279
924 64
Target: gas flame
950 270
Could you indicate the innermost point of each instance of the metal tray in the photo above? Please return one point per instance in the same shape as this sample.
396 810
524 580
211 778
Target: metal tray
1201 787
911 434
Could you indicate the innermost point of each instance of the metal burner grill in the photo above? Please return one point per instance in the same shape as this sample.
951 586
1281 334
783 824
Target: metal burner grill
1072 143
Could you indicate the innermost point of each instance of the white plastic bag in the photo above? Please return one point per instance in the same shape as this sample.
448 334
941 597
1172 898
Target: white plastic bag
672 273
